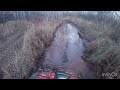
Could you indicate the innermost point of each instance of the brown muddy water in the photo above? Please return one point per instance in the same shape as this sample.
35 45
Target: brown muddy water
67 51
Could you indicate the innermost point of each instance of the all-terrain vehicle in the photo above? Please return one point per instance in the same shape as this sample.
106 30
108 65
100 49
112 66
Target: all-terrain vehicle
53 72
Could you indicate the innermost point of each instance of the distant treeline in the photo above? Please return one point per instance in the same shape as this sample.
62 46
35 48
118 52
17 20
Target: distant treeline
89 15
17 15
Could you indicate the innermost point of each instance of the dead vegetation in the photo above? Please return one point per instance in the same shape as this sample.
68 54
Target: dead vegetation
103 45
37 37
103 49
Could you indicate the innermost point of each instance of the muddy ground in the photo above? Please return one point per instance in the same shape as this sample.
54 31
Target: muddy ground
67 51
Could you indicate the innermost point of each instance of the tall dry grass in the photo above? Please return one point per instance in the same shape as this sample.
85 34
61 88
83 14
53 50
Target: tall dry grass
103 49
27 60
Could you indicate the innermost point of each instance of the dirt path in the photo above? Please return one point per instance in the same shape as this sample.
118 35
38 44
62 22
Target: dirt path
67 51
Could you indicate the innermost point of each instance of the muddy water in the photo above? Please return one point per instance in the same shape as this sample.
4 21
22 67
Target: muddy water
67 51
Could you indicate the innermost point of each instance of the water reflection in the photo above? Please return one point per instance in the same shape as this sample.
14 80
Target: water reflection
67 50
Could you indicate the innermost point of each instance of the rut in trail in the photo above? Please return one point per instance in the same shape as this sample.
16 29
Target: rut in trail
67 51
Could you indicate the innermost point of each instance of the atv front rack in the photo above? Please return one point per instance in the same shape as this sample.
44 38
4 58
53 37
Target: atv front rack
53 72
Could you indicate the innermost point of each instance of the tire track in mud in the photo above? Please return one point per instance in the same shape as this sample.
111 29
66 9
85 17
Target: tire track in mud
65 58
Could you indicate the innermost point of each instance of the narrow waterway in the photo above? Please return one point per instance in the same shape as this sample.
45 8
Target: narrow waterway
67 51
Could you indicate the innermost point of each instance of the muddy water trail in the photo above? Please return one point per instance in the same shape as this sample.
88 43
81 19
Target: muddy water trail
67 51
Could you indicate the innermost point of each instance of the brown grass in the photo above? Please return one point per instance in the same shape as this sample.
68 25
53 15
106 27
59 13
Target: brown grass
102 51
26 60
